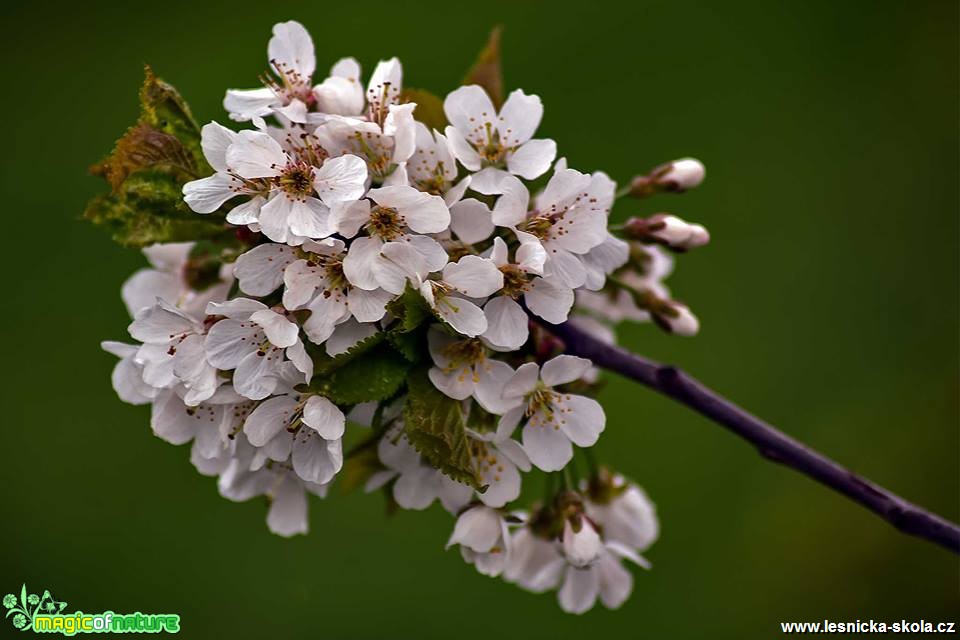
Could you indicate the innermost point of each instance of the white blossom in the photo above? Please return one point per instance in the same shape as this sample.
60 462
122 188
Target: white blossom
480 136
553 421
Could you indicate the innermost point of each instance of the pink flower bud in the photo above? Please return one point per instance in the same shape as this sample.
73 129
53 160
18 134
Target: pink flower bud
682 174
677 318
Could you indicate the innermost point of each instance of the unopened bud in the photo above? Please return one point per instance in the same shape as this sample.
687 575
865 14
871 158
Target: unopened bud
667 230
682 174
674 177
676 318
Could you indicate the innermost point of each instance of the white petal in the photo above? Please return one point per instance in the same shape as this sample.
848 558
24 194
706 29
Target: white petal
564 369
423 213
532 159
350 216
566 268
236 309
340 179
470 221
523 381
507 324
579 590
247 212
173 421
477 528
280 331
368 306
214 140
292 49
206 195
461 314
341 96
268 419
256 375
359 262
255 154
520 116
470 111
142 289
229 341
474 276
325 315
462 149
502 479
160 323
548 448
315 459
325 417
550 300
583 420
493 375
616 582
417 489
301 279
457 384
260 270
244 104
288 509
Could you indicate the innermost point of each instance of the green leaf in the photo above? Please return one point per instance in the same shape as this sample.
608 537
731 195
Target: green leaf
486 71
481 420
410 309
412 345
147 170
434 426
375 375
163 108
323 363
145 211
429 109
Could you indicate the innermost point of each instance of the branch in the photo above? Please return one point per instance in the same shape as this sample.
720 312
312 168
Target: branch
771 443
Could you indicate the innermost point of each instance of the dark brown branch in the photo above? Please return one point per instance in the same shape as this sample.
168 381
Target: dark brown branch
771 443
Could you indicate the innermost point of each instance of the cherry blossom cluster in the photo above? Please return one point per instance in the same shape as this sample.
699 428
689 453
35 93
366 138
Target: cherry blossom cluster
346 207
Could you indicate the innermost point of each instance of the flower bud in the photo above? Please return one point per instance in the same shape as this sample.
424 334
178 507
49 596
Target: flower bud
676 318
682 174
668 230
581 542
674 177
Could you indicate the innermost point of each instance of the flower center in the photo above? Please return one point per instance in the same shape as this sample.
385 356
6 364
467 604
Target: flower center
297 179
385 222
463 353
492 152
515 280
292 85
538 225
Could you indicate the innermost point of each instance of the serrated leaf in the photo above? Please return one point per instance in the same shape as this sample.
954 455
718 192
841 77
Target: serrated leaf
163 108
410 309
147 169
429 109
480 420
375 375
412 345
434 425
145 147
323 363
487 71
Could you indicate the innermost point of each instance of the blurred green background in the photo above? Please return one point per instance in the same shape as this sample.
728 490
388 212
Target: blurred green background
829 303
